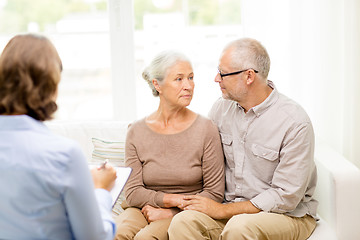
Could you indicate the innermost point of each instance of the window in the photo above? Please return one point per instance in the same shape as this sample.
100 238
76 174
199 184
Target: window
103 63
79 30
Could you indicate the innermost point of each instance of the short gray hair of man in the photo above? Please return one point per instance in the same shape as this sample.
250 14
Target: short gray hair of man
249 53
159 66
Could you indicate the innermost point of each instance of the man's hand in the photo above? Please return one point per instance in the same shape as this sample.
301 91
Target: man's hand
152 214
204 205
217 210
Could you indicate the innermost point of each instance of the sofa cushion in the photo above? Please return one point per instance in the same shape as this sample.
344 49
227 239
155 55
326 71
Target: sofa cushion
323 231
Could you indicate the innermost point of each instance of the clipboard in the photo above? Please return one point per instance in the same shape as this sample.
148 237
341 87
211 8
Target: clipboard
122 175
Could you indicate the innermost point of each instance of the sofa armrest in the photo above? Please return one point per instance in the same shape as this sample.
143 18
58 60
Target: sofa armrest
338 192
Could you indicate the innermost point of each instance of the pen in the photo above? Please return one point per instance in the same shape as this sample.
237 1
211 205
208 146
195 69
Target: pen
102 165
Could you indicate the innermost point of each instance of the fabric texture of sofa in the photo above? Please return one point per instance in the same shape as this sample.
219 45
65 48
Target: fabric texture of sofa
338 189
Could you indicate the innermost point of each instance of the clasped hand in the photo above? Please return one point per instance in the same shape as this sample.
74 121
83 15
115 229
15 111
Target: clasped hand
176 203
152 213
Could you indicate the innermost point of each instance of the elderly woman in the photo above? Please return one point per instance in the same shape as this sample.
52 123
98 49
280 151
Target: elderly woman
46 189
173 152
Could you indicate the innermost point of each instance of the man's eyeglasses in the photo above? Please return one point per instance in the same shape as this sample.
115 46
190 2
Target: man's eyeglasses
233 73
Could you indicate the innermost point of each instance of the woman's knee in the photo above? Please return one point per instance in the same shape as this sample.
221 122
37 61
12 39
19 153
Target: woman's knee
155 230
129 223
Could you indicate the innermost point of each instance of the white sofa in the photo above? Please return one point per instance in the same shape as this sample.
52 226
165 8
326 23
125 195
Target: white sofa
338 189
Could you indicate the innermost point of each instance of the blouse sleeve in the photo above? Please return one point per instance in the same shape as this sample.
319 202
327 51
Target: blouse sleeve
213 165
137 195
89 214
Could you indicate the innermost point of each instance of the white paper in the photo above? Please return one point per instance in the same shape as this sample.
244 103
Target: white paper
122 175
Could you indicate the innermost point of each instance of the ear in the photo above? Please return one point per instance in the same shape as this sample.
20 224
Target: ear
250 76
156 85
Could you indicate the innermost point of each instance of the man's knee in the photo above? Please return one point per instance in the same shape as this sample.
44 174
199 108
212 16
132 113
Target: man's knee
143 234
195 225
185 223
241 226
183 218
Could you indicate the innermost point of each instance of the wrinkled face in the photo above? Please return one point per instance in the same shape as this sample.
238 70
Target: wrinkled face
177 88
233 87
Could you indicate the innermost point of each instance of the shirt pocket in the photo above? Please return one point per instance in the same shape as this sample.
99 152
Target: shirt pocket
263 152
264 162
227 143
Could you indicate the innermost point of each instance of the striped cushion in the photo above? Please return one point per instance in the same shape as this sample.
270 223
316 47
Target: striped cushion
114 151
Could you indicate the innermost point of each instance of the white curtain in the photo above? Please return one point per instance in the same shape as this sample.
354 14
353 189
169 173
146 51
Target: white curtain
314 46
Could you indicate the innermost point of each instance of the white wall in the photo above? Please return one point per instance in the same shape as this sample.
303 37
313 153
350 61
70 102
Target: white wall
352 75
314 48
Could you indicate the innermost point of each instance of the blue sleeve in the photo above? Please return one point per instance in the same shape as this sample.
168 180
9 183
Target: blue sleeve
89 216
105 203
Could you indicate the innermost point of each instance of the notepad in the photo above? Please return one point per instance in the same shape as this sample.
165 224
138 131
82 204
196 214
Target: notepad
122 175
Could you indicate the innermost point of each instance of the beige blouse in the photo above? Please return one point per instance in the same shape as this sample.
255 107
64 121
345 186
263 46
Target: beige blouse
189 162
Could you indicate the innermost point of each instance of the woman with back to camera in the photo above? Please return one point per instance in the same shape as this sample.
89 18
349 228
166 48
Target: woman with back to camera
46 189
173 152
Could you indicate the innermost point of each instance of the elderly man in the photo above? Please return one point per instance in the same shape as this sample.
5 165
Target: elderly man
268 142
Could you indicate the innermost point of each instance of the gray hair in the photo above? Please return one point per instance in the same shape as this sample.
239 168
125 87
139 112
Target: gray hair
249 53
158 67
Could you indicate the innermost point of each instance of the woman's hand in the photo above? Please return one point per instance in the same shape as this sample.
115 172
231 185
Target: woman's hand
173 200
152 214
104 177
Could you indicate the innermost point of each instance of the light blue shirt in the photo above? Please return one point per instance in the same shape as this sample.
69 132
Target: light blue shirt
46 189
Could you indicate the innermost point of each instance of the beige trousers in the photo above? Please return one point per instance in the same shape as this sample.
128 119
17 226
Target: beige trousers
131 224
260 226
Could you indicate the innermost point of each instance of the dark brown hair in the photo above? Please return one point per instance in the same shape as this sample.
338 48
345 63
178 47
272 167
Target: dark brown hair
30 70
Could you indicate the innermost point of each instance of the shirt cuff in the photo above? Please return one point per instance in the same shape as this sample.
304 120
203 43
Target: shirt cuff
264 202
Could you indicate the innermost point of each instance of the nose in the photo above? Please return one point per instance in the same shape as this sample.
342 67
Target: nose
217 78
187 84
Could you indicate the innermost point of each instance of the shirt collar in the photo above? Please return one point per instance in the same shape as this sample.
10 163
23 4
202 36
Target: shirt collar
262 107
270 100
20 122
